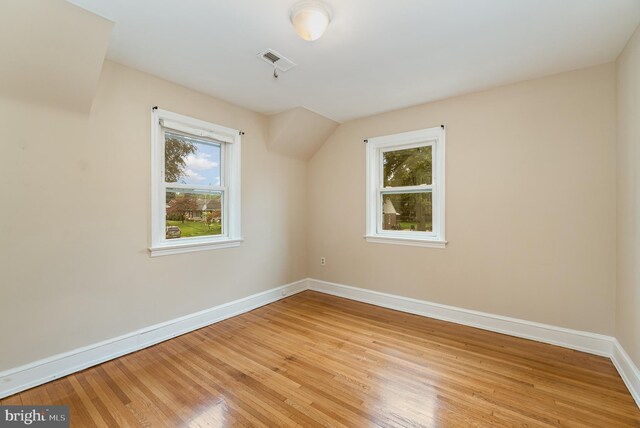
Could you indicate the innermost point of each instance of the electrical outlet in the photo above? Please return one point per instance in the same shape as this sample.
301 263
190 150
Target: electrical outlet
323 261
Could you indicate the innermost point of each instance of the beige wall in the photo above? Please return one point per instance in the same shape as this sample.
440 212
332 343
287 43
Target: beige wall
75 220
298 132
531 208
628 284
52 53
530 204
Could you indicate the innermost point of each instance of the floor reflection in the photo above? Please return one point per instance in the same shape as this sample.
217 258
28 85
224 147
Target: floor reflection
212 416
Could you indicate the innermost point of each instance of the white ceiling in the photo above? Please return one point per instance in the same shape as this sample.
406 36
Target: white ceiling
377 55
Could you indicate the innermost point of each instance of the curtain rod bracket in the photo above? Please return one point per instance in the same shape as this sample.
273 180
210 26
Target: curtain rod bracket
241 132
366 141
154 108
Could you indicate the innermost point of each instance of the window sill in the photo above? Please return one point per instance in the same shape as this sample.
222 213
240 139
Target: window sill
189 247
429 243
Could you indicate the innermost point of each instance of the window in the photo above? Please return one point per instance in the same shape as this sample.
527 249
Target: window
195 185
405 188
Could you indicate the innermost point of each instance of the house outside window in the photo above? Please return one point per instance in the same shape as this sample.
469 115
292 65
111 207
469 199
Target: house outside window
405 188
195 185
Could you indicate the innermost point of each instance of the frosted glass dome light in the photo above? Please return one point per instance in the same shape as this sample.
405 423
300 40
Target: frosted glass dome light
310 19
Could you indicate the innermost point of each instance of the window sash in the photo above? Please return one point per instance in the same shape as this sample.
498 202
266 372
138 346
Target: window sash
224 214
391 190
407 189
223 163
195 187
376 148
205 188
396 148
416 234
229 188
223 223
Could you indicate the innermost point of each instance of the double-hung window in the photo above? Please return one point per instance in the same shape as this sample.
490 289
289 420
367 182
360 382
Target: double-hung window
195 185
405 188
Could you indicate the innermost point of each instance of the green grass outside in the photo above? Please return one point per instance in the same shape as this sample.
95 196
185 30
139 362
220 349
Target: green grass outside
196 228
406 225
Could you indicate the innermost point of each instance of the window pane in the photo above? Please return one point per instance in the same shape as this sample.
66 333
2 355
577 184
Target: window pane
408 167
191 161
411 212
193 213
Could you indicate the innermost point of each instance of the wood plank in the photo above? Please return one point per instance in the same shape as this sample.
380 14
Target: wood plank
319 360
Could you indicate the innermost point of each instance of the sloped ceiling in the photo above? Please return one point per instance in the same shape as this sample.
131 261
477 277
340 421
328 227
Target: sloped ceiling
376 55
298 132
51 52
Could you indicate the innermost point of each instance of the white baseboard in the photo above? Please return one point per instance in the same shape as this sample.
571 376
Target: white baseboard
21 378
24 377
592 343
574 339
628 370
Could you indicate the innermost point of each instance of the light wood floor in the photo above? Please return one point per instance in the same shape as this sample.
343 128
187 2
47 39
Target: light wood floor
317 360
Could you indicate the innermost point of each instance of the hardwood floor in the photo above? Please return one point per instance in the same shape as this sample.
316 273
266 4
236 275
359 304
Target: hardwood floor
318 360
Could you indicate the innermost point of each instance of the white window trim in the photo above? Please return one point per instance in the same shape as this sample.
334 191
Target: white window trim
378 145
230 140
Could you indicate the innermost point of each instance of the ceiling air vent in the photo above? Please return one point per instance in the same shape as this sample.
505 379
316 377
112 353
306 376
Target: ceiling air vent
276 60
271 56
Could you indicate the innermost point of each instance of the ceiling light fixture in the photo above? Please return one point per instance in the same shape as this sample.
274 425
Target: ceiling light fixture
310 18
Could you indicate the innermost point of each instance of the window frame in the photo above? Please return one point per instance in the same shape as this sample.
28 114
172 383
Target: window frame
375 149
230 149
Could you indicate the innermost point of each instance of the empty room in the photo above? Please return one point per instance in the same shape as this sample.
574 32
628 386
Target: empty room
320 213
